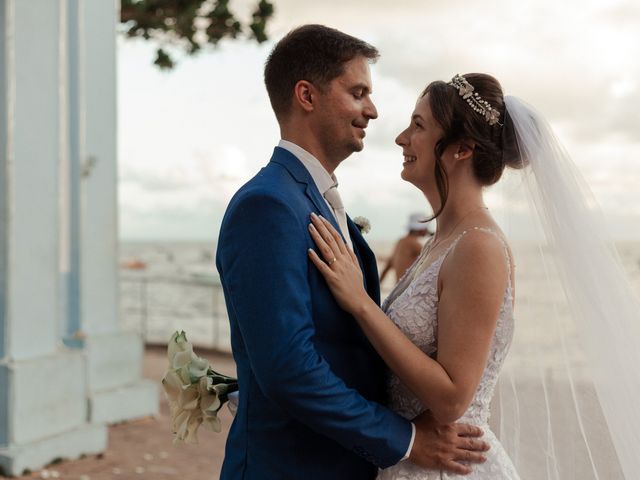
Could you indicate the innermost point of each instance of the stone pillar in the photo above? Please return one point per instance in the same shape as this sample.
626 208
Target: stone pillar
114 357
43 386
66 367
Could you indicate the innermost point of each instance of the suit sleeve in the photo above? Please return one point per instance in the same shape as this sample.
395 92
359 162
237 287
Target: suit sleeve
264 266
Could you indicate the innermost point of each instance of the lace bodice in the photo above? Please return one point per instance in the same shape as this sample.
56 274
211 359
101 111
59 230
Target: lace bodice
413 306
415 311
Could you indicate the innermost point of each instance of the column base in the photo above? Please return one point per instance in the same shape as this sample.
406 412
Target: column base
84 440
117 391
114 359
124 403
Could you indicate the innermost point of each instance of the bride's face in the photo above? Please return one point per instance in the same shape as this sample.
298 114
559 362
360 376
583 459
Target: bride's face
418 141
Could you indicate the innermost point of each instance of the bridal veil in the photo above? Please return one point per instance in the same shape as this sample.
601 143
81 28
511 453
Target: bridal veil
566 406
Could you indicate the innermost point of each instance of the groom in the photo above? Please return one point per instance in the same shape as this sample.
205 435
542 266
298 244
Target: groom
312 388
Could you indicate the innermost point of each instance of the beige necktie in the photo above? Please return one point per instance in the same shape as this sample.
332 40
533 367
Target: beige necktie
333 197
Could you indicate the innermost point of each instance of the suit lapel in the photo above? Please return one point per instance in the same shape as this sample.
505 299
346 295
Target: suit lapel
367 260
298 171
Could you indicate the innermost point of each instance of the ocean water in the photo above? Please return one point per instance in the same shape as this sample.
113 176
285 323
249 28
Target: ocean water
178 289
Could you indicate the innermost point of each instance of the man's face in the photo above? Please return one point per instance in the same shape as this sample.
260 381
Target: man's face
343 111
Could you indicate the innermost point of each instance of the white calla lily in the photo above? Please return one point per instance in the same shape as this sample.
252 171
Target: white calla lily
198 367
210 404
180 424
192 429
172 385
188 399
183 358
204 384
184 375
213 423
193 397
177 343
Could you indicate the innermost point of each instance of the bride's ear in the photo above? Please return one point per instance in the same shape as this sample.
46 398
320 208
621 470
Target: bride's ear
463 151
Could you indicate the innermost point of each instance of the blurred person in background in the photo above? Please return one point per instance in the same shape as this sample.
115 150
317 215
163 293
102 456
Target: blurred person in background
408 248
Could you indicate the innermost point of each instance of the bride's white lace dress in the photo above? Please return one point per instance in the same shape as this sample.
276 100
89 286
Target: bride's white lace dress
413 306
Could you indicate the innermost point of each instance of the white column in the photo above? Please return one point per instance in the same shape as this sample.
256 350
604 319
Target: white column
33 172
114 356
4 225
99 221
4 198
43 386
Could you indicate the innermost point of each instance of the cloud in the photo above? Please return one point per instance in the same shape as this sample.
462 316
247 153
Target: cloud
189 138
566 63
202 178
622 14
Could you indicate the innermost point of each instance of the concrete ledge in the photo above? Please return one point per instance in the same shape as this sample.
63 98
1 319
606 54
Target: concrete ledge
43 397
124 403
87 440
113 359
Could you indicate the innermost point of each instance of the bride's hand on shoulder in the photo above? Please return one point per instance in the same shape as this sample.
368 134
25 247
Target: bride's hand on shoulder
338 265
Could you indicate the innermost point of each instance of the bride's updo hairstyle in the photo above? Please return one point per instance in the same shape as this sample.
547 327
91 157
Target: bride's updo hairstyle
495 144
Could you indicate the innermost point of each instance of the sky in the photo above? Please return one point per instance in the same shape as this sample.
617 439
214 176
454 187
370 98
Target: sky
189 138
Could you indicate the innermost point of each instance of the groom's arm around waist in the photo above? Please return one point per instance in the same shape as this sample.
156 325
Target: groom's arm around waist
263 263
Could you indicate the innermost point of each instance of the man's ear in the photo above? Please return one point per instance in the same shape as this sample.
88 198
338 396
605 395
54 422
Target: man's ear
304 94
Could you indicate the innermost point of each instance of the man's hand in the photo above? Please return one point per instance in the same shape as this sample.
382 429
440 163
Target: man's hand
445 447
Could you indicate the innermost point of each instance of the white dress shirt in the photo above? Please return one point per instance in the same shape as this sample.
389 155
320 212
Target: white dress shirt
320 176
324 182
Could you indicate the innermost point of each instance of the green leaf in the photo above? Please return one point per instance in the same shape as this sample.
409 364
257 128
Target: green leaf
175 24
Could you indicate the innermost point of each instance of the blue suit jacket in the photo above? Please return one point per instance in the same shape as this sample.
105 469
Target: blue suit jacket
310 382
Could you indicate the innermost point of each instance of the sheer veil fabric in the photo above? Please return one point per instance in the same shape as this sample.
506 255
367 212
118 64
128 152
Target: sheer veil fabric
566 406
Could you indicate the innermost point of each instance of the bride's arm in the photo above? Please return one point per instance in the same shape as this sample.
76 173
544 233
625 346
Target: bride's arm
473 280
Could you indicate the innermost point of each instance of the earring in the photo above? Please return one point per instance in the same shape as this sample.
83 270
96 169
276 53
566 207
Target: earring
456 156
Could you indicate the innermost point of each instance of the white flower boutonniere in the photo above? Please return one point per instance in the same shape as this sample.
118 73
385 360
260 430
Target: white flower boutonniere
363 224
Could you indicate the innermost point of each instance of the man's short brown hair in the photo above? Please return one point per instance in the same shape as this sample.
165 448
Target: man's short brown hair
314 53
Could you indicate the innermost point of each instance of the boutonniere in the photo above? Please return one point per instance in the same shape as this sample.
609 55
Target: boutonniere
363 224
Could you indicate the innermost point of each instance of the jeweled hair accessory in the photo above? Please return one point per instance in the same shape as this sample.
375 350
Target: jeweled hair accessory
477 103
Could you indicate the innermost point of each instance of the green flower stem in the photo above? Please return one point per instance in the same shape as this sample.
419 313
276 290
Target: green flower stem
220 378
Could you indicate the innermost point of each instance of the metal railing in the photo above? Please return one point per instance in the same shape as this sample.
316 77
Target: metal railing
156 306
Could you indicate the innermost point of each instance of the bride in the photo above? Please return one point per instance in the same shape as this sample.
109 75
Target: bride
445 329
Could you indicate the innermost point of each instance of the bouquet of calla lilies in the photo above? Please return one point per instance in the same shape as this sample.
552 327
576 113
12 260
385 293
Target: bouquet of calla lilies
195 391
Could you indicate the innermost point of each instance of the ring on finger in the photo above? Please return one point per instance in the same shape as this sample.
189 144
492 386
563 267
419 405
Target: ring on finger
332 261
